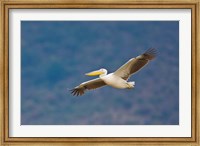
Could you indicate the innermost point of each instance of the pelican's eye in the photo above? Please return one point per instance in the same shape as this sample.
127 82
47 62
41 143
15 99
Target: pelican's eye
103 70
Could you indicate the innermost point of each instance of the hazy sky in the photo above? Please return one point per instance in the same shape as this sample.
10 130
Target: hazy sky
56 55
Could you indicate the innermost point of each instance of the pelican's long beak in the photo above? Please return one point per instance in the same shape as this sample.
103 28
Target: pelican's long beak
94 73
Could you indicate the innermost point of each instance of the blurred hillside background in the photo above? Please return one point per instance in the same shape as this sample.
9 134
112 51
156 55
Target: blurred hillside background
57 54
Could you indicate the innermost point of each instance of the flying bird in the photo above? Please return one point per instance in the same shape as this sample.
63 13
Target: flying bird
119 78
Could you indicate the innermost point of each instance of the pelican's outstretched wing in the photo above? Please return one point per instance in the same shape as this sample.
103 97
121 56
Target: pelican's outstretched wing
91 84
135 64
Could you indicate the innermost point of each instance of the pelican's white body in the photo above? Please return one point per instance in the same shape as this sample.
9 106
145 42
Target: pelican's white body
116 81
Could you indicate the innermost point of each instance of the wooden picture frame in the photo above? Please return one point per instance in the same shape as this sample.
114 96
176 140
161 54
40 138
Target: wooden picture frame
44 4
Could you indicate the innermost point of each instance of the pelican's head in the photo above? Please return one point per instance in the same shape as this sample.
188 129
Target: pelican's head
99 72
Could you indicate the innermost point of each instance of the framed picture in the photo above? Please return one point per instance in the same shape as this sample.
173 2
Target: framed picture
145 57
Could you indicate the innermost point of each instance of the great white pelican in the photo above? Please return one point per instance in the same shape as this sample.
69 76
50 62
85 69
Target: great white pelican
119 78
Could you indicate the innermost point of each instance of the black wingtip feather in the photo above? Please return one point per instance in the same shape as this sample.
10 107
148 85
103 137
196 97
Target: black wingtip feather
77 92
151 53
